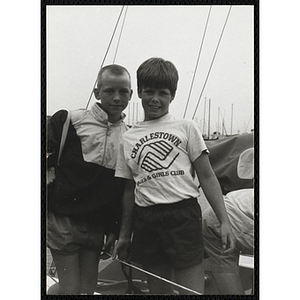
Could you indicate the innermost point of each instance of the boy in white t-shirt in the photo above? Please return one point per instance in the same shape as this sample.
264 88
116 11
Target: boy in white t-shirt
159 157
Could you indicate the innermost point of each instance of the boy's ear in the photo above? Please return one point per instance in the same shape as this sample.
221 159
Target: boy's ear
131 92
97 93
139 93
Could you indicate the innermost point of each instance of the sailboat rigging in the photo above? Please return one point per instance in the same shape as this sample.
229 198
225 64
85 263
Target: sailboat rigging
120 34
108 47
135 113
198 102
197 62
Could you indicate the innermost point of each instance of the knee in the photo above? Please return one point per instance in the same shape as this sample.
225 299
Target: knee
53 290
59 289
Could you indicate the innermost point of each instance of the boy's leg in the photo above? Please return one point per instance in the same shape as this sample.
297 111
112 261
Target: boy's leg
229 283
157 286
192 278
88 261
67 267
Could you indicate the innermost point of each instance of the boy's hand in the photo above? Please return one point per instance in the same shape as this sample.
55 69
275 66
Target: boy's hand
228 240
110 242
122 250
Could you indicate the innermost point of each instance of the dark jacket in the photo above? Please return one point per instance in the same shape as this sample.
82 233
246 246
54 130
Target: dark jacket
85 190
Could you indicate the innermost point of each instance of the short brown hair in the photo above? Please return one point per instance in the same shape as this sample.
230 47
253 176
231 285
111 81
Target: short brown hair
159 73
113 69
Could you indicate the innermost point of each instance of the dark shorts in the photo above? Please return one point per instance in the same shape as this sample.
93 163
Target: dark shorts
168 234
67 235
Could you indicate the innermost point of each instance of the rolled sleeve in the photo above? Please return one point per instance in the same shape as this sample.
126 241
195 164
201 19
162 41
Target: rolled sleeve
122 169
196 146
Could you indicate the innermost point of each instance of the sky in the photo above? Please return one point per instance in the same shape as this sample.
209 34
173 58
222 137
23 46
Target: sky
78 37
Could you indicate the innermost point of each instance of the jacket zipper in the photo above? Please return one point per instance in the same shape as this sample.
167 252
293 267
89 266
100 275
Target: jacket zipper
104 152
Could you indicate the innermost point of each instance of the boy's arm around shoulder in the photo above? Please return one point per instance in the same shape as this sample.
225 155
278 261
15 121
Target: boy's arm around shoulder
213 193
122 247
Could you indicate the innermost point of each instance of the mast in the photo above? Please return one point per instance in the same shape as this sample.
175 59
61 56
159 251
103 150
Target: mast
218 127
231 118
223 125
208 126
204 117
133 113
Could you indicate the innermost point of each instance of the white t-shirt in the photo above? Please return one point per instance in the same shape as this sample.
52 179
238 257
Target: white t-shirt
158 155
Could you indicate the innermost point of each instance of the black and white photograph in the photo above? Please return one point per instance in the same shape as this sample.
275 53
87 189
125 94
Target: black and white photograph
235 100
150 117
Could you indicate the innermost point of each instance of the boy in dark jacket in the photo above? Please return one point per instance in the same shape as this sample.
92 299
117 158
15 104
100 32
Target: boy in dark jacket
84 200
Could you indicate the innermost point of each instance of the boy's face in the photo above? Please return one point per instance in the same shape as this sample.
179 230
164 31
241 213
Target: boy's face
114 93
155 102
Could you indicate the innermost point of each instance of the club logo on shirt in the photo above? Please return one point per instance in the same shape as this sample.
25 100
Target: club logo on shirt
157 156
156 151
173 139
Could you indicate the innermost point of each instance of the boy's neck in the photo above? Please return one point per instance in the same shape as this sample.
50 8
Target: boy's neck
153 119
113 119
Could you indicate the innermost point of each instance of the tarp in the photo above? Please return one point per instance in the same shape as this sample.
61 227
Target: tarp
225 156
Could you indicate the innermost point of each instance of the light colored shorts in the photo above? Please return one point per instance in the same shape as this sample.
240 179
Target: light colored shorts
67 235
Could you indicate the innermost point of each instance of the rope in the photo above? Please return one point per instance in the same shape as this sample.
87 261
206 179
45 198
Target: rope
248 123
212 62
200 49
120 34
156 276
105 55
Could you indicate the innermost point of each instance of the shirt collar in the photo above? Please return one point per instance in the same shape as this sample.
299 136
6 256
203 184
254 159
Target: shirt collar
164 118
100 115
